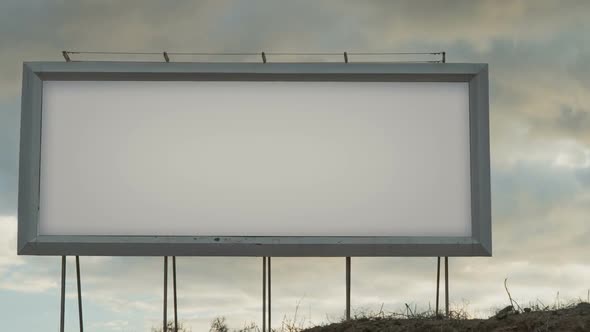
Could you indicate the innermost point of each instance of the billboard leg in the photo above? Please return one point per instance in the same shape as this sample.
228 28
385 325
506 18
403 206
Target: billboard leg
437 285
79 293
165 325
443 60
62 311
347 288
63 294
447 286
264 294
174 287
265 298
269 297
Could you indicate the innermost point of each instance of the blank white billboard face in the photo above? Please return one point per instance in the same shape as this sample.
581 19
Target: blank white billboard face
255 158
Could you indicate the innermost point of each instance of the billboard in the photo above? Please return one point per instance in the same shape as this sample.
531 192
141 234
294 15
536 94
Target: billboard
243 159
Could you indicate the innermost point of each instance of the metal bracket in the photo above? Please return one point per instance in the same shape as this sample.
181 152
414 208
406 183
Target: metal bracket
263 57
66 56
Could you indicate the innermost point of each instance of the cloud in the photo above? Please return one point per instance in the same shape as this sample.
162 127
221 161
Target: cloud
8 257
42 29
113 325
478 23
579 69
573 120
15 271
540 86
27 283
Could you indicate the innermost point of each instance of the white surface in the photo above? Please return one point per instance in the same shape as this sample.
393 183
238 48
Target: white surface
255 158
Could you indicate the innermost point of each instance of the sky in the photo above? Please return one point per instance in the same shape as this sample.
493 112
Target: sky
537 53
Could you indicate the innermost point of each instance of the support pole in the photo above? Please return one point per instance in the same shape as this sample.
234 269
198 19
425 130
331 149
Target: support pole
269 297
437 284
63 294
165 325
175 300
79 294
444 60
264 294
447 286
347 288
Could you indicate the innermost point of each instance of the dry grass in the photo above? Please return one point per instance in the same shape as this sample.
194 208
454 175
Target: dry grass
410 314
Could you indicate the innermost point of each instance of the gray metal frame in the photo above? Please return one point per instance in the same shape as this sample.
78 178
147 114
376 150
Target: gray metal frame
34 73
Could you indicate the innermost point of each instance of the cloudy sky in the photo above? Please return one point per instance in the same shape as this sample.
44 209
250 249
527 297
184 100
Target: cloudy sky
538 53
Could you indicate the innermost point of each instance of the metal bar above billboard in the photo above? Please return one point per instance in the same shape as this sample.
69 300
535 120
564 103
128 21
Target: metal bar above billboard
245 159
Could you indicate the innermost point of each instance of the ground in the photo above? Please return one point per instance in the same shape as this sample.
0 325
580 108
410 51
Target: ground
574 318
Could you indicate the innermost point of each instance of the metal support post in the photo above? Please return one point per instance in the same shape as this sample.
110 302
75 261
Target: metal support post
264 294
266 298
62 311
269 297
437 284
447 286
165 325
175 299
444 60
347 288
63 294
79 294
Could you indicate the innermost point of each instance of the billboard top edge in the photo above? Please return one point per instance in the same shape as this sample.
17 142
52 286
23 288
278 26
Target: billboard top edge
254 67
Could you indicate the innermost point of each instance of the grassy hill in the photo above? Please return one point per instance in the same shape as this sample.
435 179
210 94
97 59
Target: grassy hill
573 318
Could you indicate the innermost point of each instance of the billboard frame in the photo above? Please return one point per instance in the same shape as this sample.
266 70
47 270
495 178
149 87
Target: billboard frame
30 242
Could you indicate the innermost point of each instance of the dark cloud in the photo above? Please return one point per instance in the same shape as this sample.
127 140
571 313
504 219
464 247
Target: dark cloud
579 69
572 120
560 122
536 182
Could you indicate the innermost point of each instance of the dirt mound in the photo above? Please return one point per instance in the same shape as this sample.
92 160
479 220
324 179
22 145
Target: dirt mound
575 318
